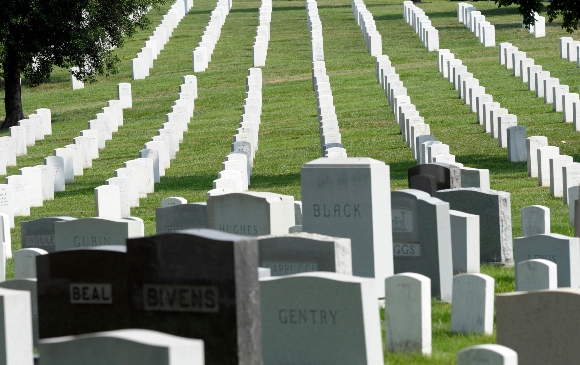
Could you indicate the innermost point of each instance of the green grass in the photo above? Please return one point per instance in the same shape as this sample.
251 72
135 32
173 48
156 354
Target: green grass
289 130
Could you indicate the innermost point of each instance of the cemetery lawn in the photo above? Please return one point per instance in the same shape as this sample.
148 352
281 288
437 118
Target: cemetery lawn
289 130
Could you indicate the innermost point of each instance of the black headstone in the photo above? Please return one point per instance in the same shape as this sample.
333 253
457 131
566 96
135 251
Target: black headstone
202 284
432 177
82 291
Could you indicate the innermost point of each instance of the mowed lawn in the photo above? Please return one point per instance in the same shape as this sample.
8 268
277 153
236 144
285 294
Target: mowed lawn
289 129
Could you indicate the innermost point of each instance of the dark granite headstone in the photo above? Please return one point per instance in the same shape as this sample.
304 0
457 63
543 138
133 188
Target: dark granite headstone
202 284
304 252
422 239
432 177
39 233
82 291
495 219
180 217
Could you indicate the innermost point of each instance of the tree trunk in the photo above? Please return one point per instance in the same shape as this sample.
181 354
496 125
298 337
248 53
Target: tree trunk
12 91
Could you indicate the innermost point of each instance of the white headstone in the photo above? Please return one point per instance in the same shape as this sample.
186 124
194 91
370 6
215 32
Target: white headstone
78 160
535 220
7 152
125 96
532 145
95 142
34 176
133 189
489 354
18 134
16 329
120 347
107 201
7 205
472 306
303 324
57 163
20 193
536 274
75 83
408 313
544 156
46 120
25 262
67 155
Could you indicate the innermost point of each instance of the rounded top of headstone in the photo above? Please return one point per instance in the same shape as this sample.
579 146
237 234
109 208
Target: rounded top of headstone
210 234
305 236
269 197
49 219
474 276
343 162
320 275
543 262
10 292
552 292
418 194
470 355
149 337
478 190
409 275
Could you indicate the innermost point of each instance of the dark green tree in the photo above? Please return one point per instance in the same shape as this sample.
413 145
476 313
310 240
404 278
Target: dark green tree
568 9
37 35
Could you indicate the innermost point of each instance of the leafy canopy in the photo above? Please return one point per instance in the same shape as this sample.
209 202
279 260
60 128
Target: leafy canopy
568 9
40 34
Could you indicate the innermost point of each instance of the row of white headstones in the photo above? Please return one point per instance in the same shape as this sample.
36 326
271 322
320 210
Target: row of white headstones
237 168
35 184
156 42
330 137
559 172
40 182
139 176
262 39
536 266
201 56
403 313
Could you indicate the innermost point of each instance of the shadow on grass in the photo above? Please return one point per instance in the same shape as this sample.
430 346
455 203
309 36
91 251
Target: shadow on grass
265 182
193 182
495 164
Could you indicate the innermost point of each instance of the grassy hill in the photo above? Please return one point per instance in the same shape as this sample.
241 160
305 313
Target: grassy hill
289 130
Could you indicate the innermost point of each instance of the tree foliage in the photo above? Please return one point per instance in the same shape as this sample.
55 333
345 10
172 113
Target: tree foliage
37 35
568 9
